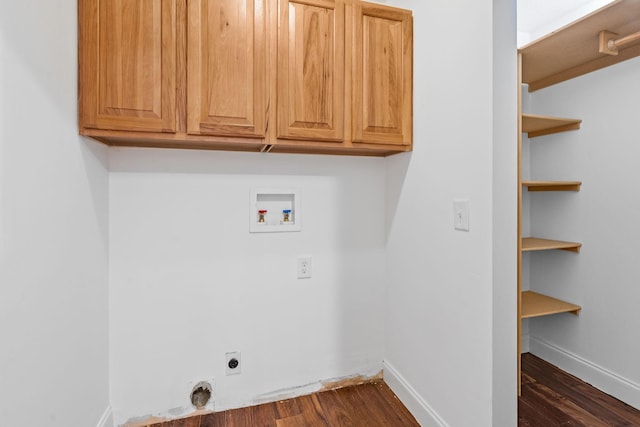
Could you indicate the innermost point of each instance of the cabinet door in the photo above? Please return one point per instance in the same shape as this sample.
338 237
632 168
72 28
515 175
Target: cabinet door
227 68
382 75
311 70
128 64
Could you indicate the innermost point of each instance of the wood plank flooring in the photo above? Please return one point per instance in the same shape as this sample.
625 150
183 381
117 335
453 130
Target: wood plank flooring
364 405
551 397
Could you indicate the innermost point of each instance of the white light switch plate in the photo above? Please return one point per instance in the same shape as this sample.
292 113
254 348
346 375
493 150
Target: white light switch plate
461 214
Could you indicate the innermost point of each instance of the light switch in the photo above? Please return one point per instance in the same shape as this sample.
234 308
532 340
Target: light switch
461 214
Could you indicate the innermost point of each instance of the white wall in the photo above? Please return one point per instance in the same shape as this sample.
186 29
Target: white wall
505 209
184 269
53 228
189 282
443 333
599 345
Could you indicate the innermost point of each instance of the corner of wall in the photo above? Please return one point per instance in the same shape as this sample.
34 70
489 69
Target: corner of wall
418 407
107 418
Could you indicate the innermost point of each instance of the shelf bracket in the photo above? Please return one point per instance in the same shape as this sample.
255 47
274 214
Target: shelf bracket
610 45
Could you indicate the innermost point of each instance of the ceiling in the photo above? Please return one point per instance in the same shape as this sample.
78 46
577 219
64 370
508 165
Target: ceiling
539 17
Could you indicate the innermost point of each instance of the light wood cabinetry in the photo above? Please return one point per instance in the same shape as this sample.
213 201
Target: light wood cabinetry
351 97
227 69
308 76
127 54
382 75
311 97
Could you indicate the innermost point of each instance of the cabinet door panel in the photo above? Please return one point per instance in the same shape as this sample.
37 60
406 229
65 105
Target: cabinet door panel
128 64
311 70
227 68
382 79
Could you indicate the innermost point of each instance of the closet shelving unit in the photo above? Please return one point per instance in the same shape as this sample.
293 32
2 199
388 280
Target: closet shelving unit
603 38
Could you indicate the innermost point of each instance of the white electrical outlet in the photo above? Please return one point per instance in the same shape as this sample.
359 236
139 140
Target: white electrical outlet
304 267
232 363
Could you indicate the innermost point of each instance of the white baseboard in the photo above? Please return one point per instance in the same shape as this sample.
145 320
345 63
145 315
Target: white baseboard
589 372
107 418
418 407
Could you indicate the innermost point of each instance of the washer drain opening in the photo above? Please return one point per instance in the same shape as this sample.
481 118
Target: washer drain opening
201 394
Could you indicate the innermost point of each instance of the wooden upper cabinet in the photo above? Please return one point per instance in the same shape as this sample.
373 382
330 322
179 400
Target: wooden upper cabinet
295 76
310 70
227 68
128 65
382 75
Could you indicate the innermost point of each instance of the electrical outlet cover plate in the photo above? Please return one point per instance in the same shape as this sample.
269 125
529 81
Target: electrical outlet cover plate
228 358
304 267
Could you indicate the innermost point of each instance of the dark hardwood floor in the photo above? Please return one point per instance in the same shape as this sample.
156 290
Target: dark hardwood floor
364 405
551 397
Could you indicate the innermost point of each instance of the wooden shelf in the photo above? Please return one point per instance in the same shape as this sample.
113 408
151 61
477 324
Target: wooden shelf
552 185
536 305
573 50
535 125
530 244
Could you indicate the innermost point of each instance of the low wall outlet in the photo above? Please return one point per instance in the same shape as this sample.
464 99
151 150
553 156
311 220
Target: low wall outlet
232 363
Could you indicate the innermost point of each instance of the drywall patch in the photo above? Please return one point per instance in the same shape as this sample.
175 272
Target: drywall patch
177 412
171 415
350 381
201 394
144 421
331 384
319 386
